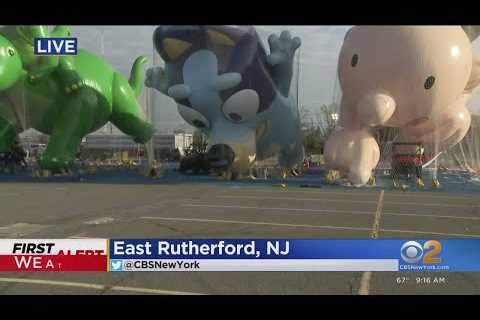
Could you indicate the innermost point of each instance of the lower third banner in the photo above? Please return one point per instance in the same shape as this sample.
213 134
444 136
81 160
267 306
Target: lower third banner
294 255
59 255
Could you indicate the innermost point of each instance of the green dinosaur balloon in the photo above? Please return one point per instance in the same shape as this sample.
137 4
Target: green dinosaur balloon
102 95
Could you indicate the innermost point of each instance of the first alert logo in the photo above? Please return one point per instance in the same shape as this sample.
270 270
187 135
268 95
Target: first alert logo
41 256
47 248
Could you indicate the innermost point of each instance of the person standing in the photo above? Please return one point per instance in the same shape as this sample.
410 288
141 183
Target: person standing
419 161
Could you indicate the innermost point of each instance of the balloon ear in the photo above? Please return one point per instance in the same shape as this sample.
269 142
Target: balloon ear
472 32
347 33
474 80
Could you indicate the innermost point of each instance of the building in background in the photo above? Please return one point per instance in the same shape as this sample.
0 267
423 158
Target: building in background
178 140
122 147
110 143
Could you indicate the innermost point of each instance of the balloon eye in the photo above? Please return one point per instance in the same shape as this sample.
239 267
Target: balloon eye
429 82
193 117
235 117
11 52
354 60
198 123
242 106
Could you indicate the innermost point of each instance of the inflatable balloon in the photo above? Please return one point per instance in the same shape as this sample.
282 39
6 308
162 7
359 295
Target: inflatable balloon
227 86
414 78
64 97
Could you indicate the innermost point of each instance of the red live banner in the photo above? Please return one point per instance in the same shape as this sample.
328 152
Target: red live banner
53 255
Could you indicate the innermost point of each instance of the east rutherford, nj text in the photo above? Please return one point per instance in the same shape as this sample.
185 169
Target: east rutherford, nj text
165 248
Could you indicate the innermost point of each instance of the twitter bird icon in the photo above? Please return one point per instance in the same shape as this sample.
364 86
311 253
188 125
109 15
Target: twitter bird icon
116 265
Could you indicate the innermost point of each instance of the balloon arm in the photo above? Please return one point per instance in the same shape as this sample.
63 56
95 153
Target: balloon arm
227 81
64 67
179 92
281 58
354 152
156 78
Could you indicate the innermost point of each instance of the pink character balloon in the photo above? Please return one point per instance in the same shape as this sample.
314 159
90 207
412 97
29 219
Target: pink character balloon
415 78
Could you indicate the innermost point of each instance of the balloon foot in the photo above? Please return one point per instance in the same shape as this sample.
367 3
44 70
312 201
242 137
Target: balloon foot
331 176
420 183
372 181
435 183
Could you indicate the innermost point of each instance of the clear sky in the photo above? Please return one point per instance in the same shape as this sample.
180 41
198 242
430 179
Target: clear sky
318 59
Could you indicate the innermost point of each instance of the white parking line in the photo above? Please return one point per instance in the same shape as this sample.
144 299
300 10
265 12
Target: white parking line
432 233
81 235
358 193
319 211
297 190
20 229
296 199
256 223
101 220
95 286
367 276
273 224
327 211
350 201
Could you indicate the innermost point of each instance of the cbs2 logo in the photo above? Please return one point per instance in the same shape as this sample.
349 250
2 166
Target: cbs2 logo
412 252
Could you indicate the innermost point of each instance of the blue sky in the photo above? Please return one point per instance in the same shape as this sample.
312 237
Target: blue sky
120 45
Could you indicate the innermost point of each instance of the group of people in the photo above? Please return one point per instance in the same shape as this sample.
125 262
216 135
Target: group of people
407 163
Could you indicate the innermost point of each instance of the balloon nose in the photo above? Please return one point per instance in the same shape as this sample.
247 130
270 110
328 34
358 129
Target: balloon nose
376 109
221 155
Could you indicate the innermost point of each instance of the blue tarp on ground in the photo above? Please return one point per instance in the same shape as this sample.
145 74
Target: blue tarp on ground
451 181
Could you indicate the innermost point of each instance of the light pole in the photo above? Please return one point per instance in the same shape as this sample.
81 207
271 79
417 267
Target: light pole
150 101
